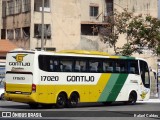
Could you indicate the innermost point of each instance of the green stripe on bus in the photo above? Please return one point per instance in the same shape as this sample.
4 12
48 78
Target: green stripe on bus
109 86
125 57
117 87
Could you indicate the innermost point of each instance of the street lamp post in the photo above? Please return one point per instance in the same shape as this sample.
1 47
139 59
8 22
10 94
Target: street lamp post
42 36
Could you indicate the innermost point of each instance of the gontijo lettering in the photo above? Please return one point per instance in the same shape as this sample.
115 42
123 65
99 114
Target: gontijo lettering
19 58
19 64
80 79
69 78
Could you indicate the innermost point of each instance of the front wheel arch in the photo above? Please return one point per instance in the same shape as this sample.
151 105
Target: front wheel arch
132 97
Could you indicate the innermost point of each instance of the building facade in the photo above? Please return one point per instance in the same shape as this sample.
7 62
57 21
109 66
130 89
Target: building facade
22 23
68 24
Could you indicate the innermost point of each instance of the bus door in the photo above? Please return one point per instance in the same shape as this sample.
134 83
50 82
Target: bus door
145 80
19 69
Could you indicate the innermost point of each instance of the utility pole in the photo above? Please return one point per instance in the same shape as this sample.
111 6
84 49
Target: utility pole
42 36
158 77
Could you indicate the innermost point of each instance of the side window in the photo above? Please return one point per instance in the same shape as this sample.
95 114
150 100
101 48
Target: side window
80 66
95 66
51 65
48 63
44 62
55 64
108 66
66 65
133 67
144 71
121 66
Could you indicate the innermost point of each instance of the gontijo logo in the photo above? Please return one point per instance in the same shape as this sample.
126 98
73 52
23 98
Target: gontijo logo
19 60
19 57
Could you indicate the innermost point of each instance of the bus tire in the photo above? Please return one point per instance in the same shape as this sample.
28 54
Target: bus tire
33 105
73 100
61 100
132 98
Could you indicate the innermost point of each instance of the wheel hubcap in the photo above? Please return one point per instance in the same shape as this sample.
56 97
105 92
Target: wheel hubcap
61 100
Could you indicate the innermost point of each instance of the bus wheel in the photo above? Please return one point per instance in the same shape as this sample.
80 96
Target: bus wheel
73 100
132 98
33 105
61 100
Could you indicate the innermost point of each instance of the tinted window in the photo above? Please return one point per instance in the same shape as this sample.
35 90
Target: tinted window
108 66
121 66
80 66
55 64
144 71
66 65
95 66
44 62
133 67
115 66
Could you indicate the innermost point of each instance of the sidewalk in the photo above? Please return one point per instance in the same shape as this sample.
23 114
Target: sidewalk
150 101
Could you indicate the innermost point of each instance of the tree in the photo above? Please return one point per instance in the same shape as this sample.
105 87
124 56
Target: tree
116 25
127 50
141 31
144 32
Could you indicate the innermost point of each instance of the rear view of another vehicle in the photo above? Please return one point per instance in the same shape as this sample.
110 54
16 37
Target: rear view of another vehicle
2 91
2 76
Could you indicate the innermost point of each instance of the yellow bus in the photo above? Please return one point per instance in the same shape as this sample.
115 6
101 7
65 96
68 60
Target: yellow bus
68 77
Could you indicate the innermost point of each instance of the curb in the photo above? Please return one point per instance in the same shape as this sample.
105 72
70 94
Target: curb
150 101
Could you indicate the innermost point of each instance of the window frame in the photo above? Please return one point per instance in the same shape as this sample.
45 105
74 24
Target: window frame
87 60
136 69
38 4
26 6
92 11
38 30
143 71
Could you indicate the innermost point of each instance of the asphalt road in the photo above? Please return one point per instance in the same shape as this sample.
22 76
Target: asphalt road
89 111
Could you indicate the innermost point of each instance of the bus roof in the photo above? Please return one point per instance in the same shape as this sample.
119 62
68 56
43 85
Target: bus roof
78 52
84 52
88 52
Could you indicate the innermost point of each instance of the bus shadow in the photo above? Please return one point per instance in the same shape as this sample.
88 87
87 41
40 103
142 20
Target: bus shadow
80 105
